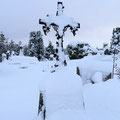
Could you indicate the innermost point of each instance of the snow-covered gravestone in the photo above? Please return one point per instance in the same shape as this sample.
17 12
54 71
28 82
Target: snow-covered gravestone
60 24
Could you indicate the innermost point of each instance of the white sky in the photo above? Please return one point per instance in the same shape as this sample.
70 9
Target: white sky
97 19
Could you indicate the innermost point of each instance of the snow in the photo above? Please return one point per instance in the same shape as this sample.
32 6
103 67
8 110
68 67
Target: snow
76 42
97 77
103 103
68 115
105 43
65 95
91 64
61 21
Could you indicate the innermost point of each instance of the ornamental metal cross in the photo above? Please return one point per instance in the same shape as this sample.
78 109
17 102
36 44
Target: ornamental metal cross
60 24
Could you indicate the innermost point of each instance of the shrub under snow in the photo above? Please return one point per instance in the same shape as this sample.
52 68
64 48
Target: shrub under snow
78 50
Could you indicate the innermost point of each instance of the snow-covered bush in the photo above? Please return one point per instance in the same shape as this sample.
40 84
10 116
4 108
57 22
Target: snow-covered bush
78 50
106 49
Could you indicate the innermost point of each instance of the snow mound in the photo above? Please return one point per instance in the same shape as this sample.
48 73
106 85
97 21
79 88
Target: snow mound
22 60
97 77
76 42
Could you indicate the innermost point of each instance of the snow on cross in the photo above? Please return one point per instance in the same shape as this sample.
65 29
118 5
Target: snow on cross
60 24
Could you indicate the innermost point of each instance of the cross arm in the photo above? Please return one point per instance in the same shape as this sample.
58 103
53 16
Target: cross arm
73 29
46 27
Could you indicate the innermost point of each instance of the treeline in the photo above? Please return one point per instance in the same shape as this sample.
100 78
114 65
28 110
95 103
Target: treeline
10 46
35 47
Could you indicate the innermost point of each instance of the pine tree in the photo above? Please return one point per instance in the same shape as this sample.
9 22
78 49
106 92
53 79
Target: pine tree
49 51
115 42
25 50
36 46
14 47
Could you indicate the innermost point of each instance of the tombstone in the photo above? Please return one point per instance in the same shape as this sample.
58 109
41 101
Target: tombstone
60 23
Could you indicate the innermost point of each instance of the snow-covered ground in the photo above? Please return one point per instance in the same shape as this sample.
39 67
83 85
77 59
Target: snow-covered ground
67 96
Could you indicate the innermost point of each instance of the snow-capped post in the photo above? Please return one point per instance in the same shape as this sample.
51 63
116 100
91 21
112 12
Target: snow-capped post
115 48
78 71
41 106
116 65
60 24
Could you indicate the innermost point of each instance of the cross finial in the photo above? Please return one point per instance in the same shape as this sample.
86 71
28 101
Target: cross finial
60 8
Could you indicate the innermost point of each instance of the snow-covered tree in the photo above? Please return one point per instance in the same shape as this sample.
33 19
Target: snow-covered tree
11 46
14 47
2 45
49 51
78 50
115 41
35 45
25 50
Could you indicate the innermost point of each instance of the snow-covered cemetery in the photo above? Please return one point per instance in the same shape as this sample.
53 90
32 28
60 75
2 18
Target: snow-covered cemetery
59 81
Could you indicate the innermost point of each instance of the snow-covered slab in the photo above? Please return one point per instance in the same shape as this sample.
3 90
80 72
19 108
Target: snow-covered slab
63 90
91 64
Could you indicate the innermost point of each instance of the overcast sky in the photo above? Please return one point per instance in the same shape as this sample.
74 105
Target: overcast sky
97 19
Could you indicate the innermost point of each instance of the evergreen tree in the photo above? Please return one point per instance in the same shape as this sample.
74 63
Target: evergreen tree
11 46
14 47
36 46
2 45
115 42
49 51
25 50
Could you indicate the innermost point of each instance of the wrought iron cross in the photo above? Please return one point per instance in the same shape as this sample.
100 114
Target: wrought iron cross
60 24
